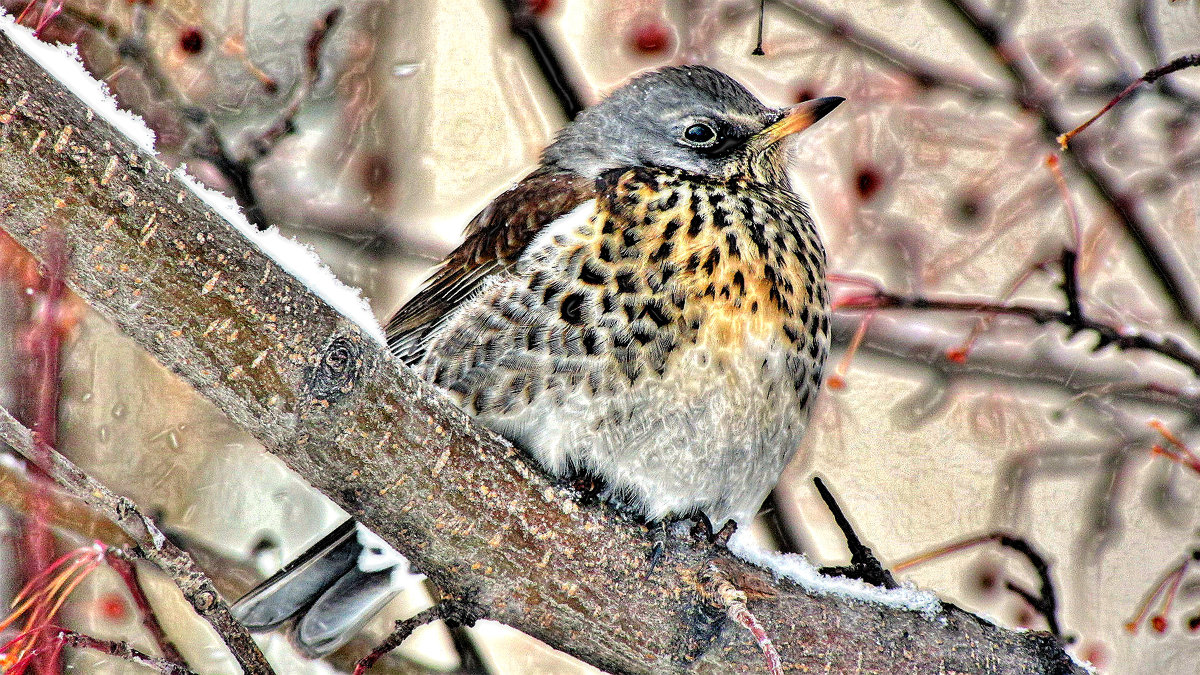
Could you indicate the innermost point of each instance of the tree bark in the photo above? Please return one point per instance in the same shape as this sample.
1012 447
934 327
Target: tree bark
458 500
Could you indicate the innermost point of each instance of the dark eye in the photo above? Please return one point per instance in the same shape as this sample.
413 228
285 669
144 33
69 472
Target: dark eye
699 135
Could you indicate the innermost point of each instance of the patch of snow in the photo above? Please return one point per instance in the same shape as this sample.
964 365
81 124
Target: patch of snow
1086 666
63 63
797 568
295 258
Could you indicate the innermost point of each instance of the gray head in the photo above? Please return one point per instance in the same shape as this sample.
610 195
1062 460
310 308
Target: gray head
687 117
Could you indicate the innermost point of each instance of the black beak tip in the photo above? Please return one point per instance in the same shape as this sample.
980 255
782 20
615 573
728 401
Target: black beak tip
823 106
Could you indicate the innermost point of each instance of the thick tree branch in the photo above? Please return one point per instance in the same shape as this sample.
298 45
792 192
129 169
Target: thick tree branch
455 498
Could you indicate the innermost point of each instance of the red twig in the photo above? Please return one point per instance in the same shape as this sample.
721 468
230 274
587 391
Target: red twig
1166 588
51 9
38 604
42 344
128 572
197 588
1187 61
717 585
1180 453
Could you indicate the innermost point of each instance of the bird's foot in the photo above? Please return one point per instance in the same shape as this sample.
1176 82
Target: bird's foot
658 545
702 529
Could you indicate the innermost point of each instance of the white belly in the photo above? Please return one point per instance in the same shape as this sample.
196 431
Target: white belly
712 435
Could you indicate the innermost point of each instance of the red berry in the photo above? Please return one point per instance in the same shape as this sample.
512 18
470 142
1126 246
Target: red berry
539 7
112 607
191 40
1159 623
1094 653
376 172
867 181
651 38
957 355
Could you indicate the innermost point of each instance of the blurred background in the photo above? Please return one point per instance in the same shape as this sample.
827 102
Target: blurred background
375 133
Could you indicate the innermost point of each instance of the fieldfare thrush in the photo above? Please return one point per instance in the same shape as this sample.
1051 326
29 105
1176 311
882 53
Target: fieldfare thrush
648 307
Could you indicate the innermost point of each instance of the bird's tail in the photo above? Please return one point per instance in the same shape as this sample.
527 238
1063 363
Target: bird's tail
331 590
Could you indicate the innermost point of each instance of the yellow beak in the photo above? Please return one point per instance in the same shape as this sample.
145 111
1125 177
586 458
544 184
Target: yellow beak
800 117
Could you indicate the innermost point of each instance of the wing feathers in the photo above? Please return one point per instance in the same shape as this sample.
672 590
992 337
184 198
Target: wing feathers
494 241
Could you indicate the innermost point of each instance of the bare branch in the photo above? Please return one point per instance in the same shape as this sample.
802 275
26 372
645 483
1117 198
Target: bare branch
454 612
1188 61
121 650
1121 338
923 72
525 26
1168 271
151 542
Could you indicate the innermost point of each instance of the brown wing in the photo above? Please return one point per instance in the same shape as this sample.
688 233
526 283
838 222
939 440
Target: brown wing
494 241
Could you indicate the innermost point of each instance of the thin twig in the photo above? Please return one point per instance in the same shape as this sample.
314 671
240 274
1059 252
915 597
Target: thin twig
1188 61
454 612
210 145
863 563
285 123
762 15
151 542
923 72
121 650
1167 346
134 47
1143 18
1045 602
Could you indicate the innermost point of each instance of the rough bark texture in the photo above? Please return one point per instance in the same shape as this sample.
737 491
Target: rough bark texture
456 499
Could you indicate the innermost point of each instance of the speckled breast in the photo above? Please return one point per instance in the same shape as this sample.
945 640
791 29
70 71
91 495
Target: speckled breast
667 336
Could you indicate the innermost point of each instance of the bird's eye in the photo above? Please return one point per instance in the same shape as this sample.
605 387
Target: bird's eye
699 135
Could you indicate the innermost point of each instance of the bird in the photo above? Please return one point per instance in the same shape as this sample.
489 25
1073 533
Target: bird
646 308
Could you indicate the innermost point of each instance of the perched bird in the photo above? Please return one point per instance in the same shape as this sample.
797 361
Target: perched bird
648 307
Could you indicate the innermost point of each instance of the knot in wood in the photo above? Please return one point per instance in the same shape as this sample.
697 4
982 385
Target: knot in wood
205 600
339 366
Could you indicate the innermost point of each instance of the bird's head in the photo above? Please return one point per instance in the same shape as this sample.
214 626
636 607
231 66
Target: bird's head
693 118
